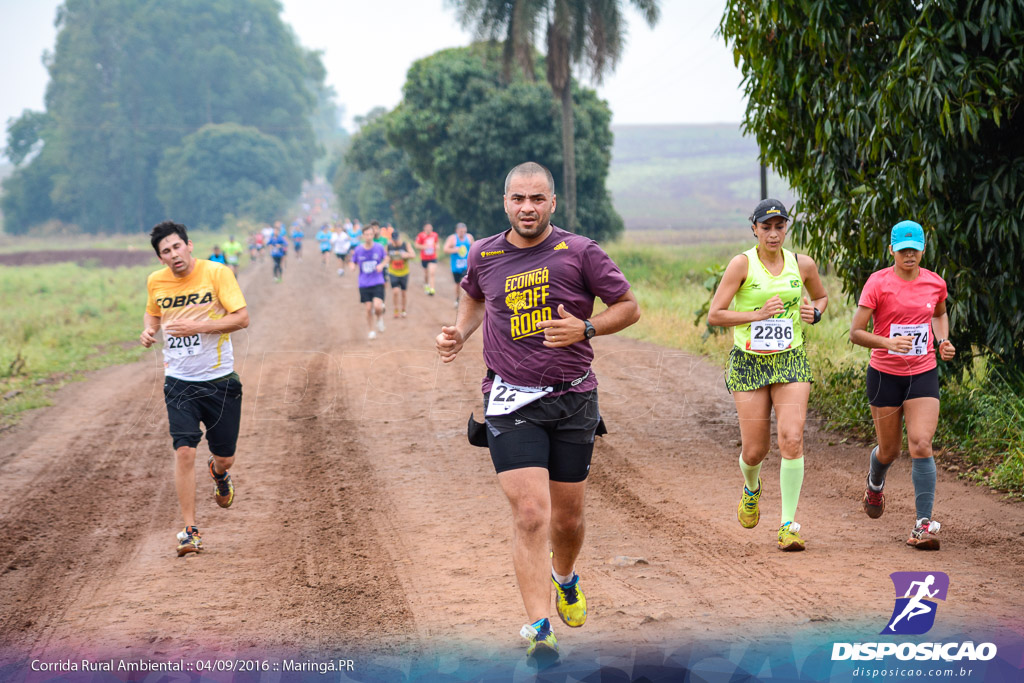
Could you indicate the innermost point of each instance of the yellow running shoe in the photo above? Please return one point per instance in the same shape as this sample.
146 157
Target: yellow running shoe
189 541
789 539
542 648
569 602
223 489
748 512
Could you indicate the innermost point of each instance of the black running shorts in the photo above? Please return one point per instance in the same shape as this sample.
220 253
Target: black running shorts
399 281
368 294
457 275
554 433
217 404
886 390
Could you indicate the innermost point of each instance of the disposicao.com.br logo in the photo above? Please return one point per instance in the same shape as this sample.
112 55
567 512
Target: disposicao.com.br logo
914 614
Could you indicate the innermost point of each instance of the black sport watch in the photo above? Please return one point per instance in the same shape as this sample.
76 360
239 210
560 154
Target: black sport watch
588 330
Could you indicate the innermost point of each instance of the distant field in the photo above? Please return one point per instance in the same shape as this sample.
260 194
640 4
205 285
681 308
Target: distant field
701 180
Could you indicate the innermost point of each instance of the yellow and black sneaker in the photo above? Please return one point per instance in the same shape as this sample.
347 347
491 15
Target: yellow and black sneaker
189 541
223 489
569 602
789 537
542 648
748 512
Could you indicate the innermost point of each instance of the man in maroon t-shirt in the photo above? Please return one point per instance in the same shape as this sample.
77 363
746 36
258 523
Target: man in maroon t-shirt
533 287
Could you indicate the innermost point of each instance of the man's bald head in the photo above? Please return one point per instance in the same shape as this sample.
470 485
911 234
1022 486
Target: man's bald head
530 168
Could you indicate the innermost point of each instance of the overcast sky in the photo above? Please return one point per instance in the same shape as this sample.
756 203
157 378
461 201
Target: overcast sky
678 72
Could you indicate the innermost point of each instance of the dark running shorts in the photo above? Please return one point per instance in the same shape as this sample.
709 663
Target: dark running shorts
554 433
457 275
427 261
890 391
400 281
751 371
368 294
217 404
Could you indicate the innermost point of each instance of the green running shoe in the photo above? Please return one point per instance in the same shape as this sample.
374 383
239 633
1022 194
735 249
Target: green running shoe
748 512
789 538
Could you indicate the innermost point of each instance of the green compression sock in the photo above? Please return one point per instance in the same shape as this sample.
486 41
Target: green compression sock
750 474
791 478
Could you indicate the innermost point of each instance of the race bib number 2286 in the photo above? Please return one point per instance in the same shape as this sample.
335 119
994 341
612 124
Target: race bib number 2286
773 334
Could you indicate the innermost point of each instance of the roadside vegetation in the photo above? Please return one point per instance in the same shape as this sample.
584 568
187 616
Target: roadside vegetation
62 320
981 432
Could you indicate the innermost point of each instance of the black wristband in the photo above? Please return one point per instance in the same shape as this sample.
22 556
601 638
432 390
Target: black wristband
817 317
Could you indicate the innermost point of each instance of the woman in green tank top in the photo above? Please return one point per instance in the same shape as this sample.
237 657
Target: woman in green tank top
761 298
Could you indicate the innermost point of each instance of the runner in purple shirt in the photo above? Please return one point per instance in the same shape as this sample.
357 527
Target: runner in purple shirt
370 259
533 287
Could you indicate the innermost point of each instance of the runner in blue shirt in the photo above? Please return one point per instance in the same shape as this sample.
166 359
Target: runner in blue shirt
323 236
297 236
457 247
278 250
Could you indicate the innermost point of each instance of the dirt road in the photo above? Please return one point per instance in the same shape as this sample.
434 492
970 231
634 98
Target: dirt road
363 521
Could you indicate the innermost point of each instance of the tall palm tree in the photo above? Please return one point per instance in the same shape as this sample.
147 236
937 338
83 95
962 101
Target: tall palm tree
589 34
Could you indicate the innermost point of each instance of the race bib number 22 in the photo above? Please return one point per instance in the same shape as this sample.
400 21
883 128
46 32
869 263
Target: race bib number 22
506 398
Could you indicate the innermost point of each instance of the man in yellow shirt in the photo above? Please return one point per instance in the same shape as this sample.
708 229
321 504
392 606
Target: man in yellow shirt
198 304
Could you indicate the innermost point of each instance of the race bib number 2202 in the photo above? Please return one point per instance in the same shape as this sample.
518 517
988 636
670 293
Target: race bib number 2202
181 347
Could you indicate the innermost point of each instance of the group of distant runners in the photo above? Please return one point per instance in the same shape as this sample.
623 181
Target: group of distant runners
532 288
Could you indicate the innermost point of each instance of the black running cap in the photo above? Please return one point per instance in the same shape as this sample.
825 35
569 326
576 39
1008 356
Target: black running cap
768 208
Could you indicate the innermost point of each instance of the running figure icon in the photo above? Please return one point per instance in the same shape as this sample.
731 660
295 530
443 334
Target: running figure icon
916 606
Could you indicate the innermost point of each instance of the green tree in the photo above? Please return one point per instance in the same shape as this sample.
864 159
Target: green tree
879 112
386 188
130 79
225 168
24 135
463 127
577 33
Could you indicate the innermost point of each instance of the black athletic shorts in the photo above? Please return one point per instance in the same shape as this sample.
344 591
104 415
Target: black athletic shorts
217 404
457 275
368 294
554 433
427 261
890 391
399 281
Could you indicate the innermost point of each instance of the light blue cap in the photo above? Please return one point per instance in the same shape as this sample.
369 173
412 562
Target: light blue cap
907 235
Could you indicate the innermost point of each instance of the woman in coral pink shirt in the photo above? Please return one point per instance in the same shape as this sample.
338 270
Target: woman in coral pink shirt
907 306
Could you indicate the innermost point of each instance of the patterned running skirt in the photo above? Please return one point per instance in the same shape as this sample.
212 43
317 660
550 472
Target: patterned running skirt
751 371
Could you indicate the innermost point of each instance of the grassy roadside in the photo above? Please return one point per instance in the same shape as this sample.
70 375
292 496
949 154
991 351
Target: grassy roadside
60 321
981 431
63 320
